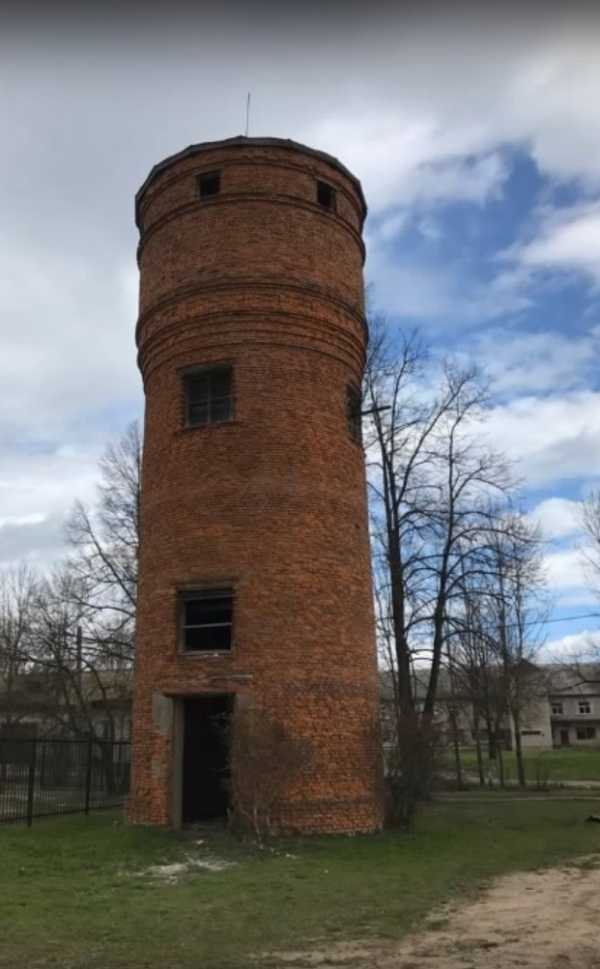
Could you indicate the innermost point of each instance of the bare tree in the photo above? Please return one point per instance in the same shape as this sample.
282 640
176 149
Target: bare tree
104 544
438 494
18 587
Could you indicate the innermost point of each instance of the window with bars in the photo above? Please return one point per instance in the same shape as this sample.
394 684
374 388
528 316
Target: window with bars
353 413
206 619
208 396
586 733
209 184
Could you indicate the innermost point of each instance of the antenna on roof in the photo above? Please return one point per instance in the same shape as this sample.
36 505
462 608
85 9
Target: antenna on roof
247 114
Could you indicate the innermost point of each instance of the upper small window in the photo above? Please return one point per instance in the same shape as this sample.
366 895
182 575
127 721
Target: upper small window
557 709
209 184
206 620
353 413
326 195
585 707
208 396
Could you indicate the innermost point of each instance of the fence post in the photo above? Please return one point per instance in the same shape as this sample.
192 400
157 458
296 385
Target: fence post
31 783
88 775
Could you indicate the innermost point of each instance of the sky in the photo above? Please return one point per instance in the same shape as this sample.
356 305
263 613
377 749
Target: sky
477 140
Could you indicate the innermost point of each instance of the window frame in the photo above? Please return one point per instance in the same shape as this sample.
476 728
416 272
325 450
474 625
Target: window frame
558 709
188 375
214 175
331 204
584 703
354 413
589 733
194 595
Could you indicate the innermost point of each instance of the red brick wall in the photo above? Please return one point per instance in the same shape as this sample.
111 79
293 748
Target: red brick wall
273 502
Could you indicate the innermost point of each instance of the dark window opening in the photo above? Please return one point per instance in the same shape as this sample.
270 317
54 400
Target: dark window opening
585 707
586 733
205 780
208 396
557 709
326 195
209 184
353 413
206 620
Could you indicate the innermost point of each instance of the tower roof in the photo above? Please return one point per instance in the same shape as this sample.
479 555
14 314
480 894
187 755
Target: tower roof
237 142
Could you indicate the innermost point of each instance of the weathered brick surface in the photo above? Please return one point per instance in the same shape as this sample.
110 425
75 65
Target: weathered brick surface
274 501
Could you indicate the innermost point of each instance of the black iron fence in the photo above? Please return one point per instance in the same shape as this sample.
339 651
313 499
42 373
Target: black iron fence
39 778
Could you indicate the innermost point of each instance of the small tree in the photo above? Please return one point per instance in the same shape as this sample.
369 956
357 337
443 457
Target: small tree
265 762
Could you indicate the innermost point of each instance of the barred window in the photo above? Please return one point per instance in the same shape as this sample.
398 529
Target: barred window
353 413
206 618
208 396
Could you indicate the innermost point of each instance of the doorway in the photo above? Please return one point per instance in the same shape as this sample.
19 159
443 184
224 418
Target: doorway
205 775
564 738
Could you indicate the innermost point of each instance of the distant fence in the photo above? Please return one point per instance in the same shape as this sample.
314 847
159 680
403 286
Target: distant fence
40 778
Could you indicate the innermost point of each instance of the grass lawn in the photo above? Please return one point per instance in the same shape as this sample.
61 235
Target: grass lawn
72 896
563 764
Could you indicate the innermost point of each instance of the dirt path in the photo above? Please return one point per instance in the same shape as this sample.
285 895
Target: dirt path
545 920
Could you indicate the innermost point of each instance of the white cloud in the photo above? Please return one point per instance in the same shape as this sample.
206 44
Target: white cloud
565 569
578 646
568 239
553 438
538 362
557 517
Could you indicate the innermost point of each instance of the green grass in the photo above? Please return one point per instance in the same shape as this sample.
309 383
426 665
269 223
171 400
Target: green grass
564 764
71 895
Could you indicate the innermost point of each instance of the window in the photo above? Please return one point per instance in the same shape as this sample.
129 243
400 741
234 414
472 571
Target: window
209 184
353 413
586 733
531 733
208 396
557 709
326 195
585 707
206 618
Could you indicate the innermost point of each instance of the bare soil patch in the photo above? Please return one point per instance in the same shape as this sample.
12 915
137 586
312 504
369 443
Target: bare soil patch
539 920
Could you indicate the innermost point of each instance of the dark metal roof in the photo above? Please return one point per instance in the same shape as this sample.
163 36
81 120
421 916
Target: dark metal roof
238 141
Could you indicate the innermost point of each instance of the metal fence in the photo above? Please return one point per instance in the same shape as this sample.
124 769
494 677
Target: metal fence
40 778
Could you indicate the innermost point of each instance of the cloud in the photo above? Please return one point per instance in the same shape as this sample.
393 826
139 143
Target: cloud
552 439
557 517
578 646
537 362
569 240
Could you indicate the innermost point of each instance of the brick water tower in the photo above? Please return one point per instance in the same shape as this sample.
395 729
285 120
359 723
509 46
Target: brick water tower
255 585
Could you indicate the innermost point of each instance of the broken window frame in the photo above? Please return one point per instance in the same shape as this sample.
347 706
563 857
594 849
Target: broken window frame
212 403
224 594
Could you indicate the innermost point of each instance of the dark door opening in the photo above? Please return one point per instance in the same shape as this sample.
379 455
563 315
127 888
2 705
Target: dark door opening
564 738
205 779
